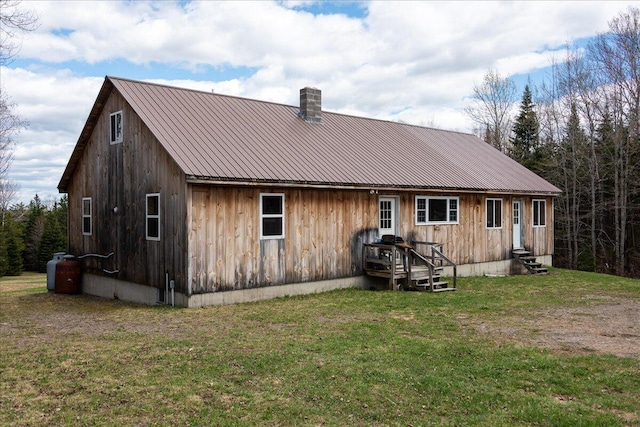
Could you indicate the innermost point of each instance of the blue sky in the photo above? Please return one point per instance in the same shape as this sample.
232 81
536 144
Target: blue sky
410 61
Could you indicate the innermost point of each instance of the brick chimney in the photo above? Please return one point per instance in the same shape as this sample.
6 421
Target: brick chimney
311 105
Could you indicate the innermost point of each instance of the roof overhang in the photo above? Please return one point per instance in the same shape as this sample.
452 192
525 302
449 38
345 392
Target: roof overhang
374 188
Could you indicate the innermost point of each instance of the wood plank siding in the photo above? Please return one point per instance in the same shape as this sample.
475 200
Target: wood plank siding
324 232
321 226
121 175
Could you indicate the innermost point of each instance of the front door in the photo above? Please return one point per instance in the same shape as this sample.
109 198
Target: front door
517 224
387 216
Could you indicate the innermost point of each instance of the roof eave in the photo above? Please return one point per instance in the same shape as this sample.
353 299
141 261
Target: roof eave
192 179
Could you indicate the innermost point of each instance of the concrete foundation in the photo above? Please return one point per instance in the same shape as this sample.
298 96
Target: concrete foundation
111 288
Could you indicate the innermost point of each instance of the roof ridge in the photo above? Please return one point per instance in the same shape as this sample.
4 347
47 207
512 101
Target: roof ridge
241 98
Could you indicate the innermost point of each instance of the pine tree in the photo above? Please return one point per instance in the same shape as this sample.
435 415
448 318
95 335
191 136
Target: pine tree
33 234
13 247
52 241
525 140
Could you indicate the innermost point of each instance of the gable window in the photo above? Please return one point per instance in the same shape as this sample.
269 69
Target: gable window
539 213
436 210
115 128
494 213
86 216
153 217
271 216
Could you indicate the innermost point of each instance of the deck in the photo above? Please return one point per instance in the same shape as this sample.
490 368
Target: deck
415 266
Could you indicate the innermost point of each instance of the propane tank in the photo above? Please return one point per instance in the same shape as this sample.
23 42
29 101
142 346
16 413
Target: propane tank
51 270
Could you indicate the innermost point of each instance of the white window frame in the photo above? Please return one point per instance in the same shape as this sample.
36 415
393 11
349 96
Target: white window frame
149 216
280 215
486 213
118 137
426 210
542 203
84 216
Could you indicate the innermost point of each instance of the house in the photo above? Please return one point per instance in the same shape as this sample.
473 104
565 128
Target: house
196 198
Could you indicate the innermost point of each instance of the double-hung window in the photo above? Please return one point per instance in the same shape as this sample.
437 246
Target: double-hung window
494 213
271 216
539 213
153 217
86 216
115 127
437 210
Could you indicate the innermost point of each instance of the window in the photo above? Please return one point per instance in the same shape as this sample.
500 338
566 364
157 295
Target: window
115 128
153 217
436 210
494 213
539 213
385 221
271 216
86 216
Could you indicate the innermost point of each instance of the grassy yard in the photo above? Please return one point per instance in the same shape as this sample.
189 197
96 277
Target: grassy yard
343 358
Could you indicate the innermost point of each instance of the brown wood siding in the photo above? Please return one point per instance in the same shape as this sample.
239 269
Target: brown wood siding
324 232
120 175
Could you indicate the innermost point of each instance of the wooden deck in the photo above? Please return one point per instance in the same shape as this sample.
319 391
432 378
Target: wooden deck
417 266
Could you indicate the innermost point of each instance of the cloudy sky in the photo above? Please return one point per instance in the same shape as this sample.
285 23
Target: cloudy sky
410 61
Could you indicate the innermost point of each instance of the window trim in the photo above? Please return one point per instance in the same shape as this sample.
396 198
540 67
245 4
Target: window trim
155 216
426 210
90 216
116 139
281 216
536 219
486 213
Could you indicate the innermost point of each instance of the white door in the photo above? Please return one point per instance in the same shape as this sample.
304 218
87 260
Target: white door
387 216
517 224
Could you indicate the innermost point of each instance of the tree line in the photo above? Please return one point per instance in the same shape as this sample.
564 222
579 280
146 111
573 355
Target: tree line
579 129
31 234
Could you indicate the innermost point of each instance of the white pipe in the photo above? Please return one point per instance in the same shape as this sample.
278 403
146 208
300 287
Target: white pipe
172 284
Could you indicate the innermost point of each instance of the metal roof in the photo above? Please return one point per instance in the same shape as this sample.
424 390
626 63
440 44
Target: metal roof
224 138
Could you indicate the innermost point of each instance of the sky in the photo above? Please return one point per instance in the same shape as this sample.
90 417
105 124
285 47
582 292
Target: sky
415 62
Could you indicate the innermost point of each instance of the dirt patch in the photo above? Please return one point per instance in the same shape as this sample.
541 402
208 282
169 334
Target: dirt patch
603 325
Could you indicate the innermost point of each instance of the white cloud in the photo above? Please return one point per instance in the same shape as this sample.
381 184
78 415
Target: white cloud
410 61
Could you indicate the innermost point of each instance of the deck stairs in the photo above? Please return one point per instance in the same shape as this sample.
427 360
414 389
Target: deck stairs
529 261
418 266
424 280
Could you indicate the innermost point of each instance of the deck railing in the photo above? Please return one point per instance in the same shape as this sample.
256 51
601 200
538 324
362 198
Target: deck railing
395 262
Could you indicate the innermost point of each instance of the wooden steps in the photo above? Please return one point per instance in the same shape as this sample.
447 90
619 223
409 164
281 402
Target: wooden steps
406 268
529 261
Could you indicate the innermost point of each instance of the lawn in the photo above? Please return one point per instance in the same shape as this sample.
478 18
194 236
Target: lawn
485 355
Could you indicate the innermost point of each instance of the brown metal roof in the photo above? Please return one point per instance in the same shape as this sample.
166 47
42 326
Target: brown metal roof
218 137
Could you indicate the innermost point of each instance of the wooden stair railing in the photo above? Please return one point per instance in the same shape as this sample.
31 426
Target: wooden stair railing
406 267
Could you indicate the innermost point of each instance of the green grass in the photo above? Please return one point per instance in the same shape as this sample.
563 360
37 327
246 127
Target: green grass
347 358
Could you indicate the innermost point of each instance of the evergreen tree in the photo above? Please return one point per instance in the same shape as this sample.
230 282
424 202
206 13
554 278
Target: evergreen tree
60 209
13 246
33 230
525 140
52 241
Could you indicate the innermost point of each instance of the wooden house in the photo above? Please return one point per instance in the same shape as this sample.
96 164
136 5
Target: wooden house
196 198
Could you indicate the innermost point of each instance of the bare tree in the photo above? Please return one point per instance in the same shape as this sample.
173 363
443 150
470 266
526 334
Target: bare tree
616 55
491 110
13 21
